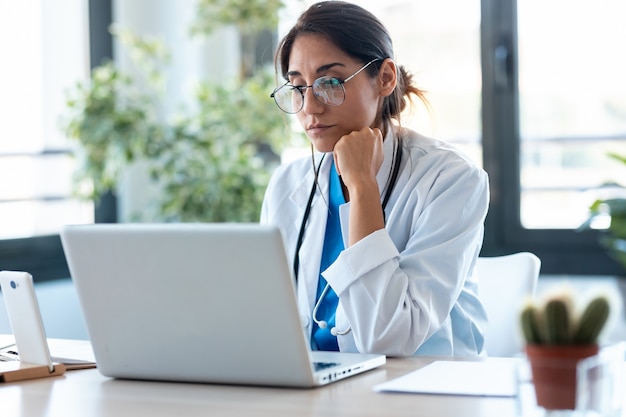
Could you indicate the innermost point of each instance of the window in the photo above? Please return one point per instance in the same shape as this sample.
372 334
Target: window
572 107
46 46
553 106
36 167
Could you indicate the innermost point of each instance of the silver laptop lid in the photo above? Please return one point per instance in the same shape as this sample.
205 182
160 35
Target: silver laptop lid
189 302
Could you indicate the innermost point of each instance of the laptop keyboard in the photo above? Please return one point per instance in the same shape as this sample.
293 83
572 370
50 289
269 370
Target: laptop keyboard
318 366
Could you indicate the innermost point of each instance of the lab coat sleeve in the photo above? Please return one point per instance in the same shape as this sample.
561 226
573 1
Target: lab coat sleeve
401 285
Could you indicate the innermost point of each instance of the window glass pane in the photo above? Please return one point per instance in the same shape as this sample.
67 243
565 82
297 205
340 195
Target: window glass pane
572 107
25 176
442 51
45 216
44 49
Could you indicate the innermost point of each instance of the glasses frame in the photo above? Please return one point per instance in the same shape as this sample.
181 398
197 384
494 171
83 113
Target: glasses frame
302 88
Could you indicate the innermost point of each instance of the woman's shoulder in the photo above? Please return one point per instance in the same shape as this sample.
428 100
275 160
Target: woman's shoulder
425 147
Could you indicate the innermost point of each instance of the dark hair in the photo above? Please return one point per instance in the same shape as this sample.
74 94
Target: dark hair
361 35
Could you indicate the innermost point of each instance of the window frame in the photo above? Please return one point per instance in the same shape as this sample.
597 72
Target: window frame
43 256
561 251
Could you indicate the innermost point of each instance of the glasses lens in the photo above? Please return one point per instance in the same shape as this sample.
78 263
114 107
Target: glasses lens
329 91
289 98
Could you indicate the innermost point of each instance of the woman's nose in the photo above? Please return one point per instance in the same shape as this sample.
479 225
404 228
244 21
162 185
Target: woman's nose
311 105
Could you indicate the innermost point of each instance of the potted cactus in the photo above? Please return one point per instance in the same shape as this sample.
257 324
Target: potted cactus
557 337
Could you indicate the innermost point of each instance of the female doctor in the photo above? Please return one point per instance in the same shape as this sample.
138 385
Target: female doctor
384 224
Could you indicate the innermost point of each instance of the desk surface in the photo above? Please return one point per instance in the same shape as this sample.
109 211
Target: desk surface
88 393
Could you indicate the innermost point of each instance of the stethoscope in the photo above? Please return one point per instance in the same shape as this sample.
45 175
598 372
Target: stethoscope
296 260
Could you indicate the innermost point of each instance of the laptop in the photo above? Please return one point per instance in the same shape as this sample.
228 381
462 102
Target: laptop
207 303
30 356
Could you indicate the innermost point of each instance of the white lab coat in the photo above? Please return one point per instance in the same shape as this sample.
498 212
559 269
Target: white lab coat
407 289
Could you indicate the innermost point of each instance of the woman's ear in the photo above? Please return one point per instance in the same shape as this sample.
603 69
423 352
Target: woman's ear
388 77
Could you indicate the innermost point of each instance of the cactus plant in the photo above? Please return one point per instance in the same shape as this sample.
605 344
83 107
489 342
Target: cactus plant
555 322
558 336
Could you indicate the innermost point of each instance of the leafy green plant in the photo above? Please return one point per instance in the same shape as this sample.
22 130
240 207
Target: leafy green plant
209 164
218 161
113 115
555 321
614 240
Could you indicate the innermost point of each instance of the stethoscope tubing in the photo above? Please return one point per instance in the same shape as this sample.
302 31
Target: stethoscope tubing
296 262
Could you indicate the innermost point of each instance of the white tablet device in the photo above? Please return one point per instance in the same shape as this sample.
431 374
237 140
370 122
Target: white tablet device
25 318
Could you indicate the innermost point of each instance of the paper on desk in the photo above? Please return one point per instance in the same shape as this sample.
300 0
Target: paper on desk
491 379
75 354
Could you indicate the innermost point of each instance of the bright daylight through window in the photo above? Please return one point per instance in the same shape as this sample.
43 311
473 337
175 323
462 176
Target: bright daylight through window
572 107
44 52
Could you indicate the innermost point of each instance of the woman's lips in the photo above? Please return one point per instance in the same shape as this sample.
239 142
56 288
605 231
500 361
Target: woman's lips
317 129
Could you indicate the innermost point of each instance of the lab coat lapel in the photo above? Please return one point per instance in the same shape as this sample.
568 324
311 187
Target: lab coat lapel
385 169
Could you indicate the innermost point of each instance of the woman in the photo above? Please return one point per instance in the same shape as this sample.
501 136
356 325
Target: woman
384 224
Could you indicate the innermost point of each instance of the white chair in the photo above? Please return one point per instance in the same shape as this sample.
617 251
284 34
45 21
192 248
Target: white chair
504 282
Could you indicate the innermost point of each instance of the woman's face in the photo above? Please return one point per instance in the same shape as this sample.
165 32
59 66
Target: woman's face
313 56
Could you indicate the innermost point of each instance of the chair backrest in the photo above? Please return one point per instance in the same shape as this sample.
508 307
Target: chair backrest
504 282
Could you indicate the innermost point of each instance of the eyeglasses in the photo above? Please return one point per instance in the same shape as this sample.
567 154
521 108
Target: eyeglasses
327 90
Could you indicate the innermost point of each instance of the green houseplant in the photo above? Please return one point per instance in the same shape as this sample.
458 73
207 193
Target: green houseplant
614 239
557 337
210 162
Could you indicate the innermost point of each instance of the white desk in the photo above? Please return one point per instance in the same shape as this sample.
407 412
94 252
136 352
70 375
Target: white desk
87 393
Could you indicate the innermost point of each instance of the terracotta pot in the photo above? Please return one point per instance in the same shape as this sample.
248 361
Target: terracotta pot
553 370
